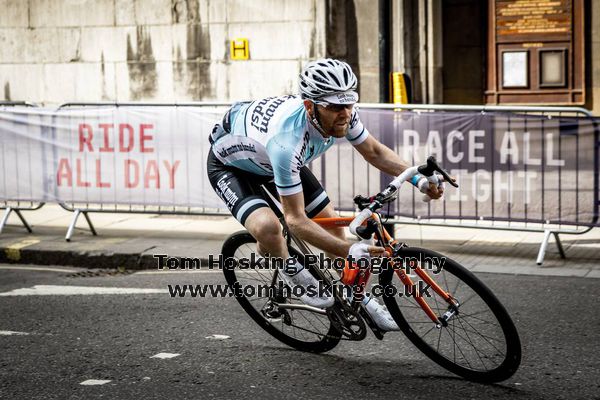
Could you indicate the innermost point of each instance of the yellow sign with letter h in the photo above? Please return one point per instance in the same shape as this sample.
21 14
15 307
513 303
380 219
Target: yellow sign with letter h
239 49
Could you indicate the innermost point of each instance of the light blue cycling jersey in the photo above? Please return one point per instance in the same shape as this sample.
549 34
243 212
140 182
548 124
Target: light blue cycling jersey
272 137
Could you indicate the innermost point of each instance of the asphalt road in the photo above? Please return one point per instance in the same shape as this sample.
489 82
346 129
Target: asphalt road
50 344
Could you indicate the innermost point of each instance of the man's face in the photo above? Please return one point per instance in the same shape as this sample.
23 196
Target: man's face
334 118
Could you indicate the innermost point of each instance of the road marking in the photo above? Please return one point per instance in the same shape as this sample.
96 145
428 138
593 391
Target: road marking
37 269
165 355
13 333
56 290
91 382
13 252
217 337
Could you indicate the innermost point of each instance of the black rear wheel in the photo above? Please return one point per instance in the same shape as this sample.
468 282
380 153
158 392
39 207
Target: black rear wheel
301 329
477 341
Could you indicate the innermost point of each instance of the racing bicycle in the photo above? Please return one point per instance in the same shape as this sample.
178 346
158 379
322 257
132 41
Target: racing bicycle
457 321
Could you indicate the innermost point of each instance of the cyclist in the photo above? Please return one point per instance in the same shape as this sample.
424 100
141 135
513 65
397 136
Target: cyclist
270 141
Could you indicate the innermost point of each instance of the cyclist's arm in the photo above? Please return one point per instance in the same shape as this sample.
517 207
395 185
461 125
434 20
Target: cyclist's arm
381 156
303 227
384 159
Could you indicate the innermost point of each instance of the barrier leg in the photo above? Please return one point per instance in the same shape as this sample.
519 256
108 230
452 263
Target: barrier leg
559 245
543 247
5 218
74 222
72 226
89 221
18 212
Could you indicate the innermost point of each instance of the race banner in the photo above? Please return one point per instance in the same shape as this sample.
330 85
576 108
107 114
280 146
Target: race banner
516 167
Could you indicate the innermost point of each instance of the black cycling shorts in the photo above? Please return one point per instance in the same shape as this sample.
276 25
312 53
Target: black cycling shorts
241 191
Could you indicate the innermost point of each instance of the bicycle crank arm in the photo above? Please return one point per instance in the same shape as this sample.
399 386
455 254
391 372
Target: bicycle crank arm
367 318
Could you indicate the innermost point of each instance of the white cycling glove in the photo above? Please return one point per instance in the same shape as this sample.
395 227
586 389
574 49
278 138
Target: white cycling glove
361 250
422 183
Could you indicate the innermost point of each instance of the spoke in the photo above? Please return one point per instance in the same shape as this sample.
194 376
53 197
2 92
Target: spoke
485 337
475 331
472 345
294 327
427 333
479 319
310 323
466 331
474 295
446 281
454 347
487 310
459 349
264 276
458 282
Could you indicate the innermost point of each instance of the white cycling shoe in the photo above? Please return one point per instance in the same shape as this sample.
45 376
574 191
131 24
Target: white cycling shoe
304 279
381 316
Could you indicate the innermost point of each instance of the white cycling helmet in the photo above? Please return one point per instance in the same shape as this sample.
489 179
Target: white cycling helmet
328 80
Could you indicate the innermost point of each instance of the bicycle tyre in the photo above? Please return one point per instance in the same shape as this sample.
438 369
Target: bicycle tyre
320 344
507 363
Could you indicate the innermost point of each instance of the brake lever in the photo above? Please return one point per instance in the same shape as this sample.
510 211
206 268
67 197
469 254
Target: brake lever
361 202
431 167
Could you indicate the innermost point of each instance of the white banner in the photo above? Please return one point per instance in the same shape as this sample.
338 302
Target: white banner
108 155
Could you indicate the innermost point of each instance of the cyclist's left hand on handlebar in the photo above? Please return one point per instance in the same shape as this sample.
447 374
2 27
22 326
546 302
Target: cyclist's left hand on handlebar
435 190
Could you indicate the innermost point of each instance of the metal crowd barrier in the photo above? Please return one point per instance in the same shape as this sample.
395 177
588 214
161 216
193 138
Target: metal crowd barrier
549 228
541 223
85 208
17 206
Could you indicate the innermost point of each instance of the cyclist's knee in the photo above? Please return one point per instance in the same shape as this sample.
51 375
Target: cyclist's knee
268 233
264 226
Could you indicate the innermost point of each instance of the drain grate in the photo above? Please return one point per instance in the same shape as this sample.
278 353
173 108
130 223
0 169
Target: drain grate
91 273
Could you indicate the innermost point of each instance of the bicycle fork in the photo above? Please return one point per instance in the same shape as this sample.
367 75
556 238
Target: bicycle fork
453 304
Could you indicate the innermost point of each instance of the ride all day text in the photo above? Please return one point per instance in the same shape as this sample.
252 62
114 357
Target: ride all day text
87 171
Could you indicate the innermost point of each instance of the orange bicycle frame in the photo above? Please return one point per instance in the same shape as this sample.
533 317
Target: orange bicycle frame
388 243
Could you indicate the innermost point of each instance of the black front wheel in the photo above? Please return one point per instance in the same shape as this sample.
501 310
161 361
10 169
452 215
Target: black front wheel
476 340
301 329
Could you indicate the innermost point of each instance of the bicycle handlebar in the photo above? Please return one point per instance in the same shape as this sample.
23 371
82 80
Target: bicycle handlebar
389 193
432 166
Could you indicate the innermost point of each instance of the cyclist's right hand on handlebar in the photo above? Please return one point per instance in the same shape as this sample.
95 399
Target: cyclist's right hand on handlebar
365 249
